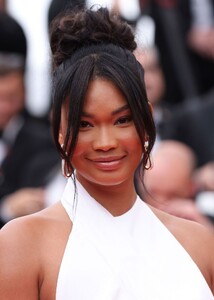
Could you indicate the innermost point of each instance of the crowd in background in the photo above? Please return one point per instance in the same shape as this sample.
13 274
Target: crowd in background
178 59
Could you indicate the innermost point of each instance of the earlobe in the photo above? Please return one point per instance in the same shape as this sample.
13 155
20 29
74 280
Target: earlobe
150 107
61 139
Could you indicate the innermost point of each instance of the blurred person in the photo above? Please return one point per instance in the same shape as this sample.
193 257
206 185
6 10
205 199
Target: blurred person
184 36
57 6
200 36
3 5
204 177
155 85
101 241
192 124
189 124
170 184
27 152
154 78
174 56
200 41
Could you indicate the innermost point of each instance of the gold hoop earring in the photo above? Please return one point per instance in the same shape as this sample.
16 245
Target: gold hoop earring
65 172
148 163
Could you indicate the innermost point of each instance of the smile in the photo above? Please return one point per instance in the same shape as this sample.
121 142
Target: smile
108 163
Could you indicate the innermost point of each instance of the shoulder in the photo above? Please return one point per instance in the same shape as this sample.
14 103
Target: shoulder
196 239
25 244
33 229
19 258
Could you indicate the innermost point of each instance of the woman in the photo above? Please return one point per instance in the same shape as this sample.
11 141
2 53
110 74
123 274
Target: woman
101 241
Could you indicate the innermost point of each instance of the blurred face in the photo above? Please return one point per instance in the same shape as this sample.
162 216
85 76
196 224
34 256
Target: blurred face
108 148
11 97
169 179
154 79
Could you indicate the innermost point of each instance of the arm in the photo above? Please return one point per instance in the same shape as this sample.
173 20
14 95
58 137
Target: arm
204 177
19 263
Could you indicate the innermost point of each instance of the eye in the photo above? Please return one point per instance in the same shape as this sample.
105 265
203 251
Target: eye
85 124
124 120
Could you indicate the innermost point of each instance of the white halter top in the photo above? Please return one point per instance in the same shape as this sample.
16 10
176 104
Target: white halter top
130 257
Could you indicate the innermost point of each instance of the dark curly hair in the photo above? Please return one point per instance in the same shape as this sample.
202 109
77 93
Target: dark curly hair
88 44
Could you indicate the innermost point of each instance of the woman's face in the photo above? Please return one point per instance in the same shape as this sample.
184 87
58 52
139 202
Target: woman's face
108 149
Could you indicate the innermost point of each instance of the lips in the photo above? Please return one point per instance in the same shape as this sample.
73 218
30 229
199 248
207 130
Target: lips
107 159
108 163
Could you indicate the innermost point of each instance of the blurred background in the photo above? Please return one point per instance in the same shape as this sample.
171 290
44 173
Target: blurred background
32 16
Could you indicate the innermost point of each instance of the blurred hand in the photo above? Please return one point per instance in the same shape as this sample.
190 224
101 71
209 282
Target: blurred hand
202 41
22 202
204 177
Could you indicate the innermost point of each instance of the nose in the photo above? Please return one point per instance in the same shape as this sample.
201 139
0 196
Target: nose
105 139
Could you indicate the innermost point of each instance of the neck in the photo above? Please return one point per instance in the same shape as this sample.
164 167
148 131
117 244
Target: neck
117 199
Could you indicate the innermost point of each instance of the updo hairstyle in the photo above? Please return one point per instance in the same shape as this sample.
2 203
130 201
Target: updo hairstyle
88 44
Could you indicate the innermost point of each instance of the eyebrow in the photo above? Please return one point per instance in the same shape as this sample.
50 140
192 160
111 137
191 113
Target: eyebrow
114 112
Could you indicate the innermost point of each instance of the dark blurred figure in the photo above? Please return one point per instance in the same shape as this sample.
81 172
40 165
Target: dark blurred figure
185 38
192 124
155 83
199 37
170 40
56 6
27 152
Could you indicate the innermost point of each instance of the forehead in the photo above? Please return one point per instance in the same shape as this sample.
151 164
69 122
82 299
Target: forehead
103 94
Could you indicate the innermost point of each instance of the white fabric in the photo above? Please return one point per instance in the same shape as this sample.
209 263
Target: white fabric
130 257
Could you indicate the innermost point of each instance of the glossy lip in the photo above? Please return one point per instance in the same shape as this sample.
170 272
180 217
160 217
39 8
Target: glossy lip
108 163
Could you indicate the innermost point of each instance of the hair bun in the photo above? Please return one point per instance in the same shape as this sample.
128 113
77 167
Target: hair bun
77 28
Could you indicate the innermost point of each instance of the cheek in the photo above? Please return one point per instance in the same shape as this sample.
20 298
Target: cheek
134 136
83 145
133 143
78 150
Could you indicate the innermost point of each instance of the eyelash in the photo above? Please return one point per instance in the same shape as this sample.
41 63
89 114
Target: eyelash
124 120
121 121
85 124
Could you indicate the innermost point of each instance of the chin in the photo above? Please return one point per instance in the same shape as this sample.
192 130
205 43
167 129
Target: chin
105 180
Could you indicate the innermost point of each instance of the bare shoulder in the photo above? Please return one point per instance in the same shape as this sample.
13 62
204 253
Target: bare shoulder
31 229
196 239
24 245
